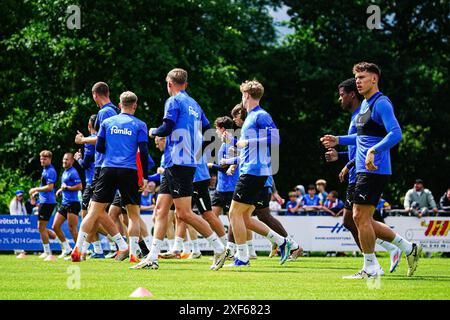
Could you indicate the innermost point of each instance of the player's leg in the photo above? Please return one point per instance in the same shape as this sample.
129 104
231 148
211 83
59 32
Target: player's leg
284 244
60 218
350 225
114 213
217 210
202 200
45 211
184 212
134 230
103 194
72 219
193 235
181 187
161 212
174 252
170 234
250 248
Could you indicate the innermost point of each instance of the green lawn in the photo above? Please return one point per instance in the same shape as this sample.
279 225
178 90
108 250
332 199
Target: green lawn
306 278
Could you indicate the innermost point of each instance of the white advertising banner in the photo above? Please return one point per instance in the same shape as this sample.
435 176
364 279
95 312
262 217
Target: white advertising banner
325 233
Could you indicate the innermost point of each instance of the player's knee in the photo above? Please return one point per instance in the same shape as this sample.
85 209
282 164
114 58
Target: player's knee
183 214
348 221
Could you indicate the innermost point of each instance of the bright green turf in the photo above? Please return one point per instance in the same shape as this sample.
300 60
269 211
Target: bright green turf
306 278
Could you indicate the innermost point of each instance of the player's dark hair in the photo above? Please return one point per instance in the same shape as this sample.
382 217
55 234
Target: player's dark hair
224 122
240 111
101 88
311 186
367 66
92 119
349 86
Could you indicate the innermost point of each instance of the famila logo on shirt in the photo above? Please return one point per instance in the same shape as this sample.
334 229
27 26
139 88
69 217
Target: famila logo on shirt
193 112
125 131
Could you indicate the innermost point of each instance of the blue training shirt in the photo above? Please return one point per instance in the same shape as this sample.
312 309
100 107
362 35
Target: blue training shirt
201 172
307 201
106 111
89 150
382 114
49 176
71 178
260 131
226 183
122 133
352 148
185 142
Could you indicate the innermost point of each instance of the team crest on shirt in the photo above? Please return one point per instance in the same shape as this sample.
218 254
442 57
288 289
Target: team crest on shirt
125 131
193 112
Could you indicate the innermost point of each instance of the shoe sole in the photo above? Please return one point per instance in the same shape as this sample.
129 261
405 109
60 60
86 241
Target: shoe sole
220 262
415 262
393 267
287 251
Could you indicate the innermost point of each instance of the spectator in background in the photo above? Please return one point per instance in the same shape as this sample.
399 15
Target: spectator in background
300 191
321 185
333 205
311 202
444 202
292 204
148 198
17 206
418 200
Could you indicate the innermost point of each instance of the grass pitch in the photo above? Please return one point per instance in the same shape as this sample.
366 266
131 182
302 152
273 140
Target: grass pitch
306 278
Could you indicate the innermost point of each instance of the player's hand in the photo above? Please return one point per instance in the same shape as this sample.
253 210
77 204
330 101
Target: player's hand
331 155
32 192
343 173
232 151
231 170
210 165
242 144
223 162
143 186
329 141
226 137
370 160
160 170
279 199
77 155
63 185
79 138
150 132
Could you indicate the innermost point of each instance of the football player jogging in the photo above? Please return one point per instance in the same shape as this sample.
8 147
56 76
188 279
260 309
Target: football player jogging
350 100
262 210
100 94
47 201
118 139
258 134
70 206
377 132
183 125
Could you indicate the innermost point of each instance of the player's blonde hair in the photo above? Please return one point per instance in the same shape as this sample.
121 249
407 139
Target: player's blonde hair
254 88
46 153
